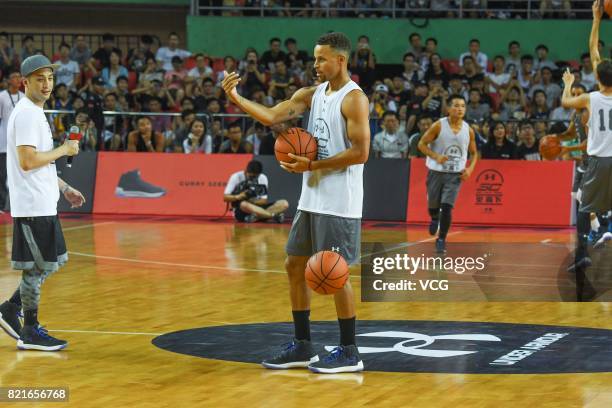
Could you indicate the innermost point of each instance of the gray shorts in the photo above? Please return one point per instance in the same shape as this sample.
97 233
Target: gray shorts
311 233
597 186
442 188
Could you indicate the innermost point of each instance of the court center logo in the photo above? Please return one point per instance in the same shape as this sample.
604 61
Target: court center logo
422 341
416 346
489 189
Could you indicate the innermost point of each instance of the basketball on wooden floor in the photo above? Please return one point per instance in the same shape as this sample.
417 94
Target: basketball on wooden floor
297 141
550 147
326 272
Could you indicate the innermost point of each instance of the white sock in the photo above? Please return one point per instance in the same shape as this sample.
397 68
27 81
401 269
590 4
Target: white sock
595 224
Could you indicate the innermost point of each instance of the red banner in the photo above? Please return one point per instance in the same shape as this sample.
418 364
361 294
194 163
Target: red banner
503 192
164 183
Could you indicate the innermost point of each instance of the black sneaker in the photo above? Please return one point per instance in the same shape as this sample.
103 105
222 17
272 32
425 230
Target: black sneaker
440 246
298 353
582 263
342 359
131 185
37 338
250 219
279 218
433 227
9 319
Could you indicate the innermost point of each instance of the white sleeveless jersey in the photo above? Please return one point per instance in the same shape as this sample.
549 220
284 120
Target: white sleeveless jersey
599 142
454 146
337 192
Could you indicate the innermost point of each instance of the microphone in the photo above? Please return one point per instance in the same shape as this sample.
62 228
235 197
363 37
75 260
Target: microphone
75 134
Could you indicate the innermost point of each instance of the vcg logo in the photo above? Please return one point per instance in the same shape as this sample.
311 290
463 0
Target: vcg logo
417 346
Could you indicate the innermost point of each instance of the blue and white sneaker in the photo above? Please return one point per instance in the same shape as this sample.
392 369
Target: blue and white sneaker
342 359
37 338
297 354
601 242
440 246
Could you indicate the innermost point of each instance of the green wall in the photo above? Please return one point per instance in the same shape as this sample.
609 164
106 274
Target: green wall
566 40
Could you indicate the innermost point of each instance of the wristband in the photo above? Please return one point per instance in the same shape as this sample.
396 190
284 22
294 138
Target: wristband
65 188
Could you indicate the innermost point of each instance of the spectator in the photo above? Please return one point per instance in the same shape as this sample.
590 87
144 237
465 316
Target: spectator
416 46
540 128
363 62
412 70
513 103
469 69
113 124
113 71
214 107
423 126
559 8
435 102
513 62
528 148
498 79
457 87
252 74
197 141
398 91
475 109
527 76
542 59
103 54
27 47
552 90
92 94
414 107
478 56
205 94
80 51
436 70
137 57
247 192
261 140
235 144
150 73
68 72
216 131
273 55
174 79
165 54
201 70
8 58
229 65
89 136
122 90
498 146
62 98
144 139
160 123
587 74
181 129
296 58
381 102
390 143
431 47
539 107
279 81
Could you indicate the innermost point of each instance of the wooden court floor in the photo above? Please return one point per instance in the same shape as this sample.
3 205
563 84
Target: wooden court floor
131 279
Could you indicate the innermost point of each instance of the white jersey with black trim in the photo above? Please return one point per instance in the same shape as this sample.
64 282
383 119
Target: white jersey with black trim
452 145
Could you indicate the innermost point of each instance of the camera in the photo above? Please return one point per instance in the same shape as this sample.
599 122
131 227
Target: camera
251 188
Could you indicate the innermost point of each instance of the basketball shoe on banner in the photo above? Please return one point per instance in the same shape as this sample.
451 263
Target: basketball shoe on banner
132 185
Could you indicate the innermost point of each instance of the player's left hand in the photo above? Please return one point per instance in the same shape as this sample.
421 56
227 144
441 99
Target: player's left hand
568 78
74 197
597 10
300 165
465 174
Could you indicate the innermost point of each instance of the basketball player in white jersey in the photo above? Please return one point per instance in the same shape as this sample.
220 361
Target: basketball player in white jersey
597 183
446 144
330 207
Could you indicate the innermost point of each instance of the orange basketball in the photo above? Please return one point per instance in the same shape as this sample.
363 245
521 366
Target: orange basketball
326 272
297 141
608 7
550 147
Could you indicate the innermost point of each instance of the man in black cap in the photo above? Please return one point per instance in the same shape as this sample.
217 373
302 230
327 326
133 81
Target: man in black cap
38 242
93 96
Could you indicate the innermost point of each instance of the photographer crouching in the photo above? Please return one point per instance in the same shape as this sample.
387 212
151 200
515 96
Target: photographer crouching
247 191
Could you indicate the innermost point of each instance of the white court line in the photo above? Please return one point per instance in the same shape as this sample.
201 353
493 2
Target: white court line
408 244
88 226
545 241
108 332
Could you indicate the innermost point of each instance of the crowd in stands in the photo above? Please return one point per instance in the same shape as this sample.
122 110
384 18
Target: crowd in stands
512 100
399 8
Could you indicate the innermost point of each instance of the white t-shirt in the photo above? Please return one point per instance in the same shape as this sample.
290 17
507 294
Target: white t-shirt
34 193
195 72
65 73
165 54
7 104
500 80
238 177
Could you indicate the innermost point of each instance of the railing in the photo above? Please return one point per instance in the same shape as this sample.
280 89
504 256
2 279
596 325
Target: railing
49 42
410 9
